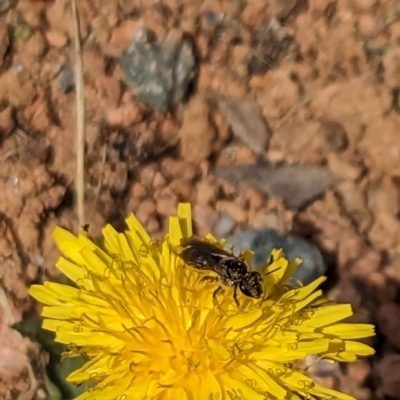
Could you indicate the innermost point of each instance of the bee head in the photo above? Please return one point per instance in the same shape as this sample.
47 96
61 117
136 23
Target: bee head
252 285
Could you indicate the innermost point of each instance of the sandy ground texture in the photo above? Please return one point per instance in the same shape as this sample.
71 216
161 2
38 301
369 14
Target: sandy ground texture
276 113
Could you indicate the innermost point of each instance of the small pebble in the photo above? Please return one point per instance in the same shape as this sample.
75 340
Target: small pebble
206 192
125 116
122 35
235 210
7 122
5 5
145 211
119 179
147 174
197 134
138 191
183 189
178 169
166 202
335 134
204 216
367 25
56 38
320 368
66 79
368 263
159 181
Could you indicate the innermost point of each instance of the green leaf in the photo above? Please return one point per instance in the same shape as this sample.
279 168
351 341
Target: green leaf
59 372
52 390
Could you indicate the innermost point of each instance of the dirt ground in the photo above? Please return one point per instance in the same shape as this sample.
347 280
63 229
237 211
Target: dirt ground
322 77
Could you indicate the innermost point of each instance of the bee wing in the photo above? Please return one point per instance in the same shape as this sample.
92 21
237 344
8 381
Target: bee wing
205 247
220 269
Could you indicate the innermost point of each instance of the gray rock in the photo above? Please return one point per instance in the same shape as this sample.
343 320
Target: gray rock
245 118
159 74
296 184
264 241
224 226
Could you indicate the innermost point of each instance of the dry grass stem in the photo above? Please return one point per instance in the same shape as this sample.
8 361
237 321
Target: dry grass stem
80 121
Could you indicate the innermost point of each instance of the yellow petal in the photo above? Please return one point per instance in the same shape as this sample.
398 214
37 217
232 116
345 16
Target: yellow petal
329 314
328 394
358 348
185 219
74 272
350 331
46 295
175 231
209 386
241 321
273 386
136 227
236 389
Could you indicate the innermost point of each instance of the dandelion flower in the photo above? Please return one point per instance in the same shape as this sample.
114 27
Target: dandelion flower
148 329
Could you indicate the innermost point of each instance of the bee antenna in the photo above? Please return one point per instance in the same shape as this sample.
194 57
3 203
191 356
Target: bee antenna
271 272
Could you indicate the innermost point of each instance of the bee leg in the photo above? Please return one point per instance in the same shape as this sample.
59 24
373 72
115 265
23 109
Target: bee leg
208 279
217 291
235 296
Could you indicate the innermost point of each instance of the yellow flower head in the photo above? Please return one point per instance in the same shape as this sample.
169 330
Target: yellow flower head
150 330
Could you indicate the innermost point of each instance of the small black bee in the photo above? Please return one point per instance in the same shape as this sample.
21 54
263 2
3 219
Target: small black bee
231 270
